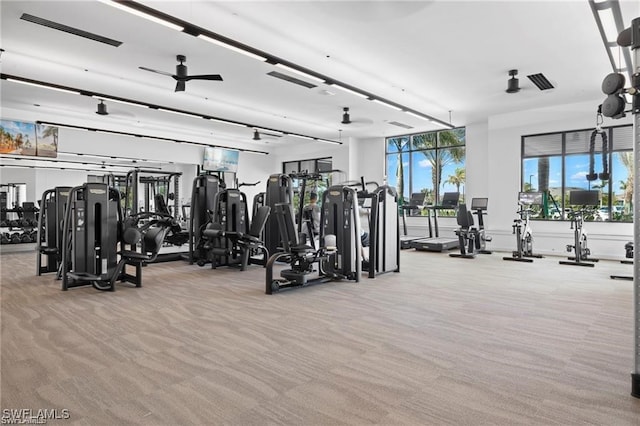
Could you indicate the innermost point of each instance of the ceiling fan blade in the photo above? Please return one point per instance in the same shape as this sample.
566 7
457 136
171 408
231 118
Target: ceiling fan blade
180 85
216 77
156 71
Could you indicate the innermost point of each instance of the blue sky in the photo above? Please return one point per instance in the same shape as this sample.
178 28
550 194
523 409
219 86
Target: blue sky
15 127
421 173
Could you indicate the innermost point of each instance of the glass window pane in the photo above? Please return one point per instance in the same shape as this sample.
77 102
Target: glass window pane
537 146
452 137
290 167
576 169
398 144
453 171
578 142
424 141
448 160
544 174
325 164
622 179
423 174
398 174
622 138
308 166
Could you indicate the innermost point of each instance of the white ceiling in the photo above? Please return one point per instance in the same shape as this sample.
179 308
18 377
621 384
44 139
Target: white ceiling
436 57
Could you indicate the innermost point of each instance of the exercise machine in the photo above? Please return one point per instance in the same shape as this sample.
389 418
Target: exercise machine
381 205
581 251
93 226
416 203
339 257
479 208
472 239
49 231
437 243
467 234
203 195
279 190
628 248
229 239
522 227
158 191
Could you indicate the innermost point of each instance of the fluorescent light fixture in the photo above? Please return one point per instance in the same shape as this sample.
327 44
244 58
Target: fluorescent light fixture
103 98
329 141
179 113
43 86
353 92
608 24
386 104
302 73
231 123
136 12
231 47
303 137
417 116
44 123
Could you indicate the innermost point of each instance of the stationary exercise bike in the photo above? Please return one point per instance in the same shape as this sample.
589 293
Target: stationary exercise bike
522 229
579 247
628 248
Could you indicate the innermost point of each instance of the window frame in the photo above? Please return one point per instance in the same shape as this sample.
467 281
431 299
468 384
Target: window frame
410 150
563 202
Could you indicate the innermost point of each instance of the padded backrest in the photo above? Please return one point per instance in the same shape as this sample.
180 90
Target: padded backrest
131 235
161 205
153 239
259 221
288 232
464 217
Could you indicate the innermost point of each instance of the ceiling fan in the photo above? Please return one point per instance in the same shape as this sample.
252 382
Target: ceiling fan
346 118
181 75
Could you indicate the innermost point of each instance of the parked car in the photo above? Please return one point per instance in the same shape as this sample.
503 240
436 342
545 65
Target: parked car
602 214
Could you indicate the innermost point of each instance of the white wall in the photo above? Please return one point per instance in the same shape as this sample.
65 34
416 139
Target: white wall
504 142
171 156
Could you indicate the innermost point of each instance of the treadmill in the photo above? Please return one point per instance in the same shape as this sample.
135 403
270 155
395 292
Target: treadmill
416 202
438 243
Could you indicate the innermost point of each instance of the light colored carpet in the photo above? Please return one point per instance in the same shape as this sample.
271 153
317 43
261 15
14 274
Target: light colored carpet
445 341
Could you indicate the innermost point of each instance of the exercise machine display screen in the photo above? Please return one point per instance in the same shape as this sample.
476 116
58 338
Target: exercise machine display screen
450 199
584 198
479 203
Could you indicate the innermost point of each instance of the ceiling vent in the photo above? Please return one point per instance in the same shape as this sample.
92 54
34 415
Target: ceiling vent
404 126
64 28
290 79
541 81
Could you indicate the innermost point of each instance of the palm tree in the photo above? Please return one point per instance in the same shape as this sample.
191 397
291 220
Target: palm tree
51 131
442 157
543 179
457 178
399 144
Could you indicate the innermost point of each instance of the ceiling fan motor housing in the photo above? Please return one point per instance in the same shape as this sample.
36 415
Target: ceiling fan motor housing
102 109
513 84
